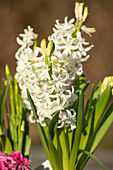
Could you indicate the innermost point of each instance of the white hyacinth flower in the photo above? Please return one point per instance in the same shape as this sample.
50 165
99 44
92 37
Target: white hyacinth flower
28 37
48 72
71 52
88 30
32 73
67 118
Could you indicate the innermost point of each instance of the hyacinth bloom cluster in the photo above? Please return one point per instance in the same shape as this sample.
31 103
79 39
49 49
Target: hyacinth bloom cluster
14 161
49 70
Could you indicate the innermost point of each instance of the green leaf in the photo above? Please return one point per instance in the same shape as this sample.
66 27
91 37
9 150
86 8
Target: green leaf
89 118
81 84
103 127
94 158
74 152
27 146
96 138
22 111
97 92
101 105
55 157
89 132
89 102
2 140
12 103
4 102
32 105
44 138
20 142
41 130
21 138
87 121
2 92
56 142
71 135
47 121
8 146
52 125
16 96
64 143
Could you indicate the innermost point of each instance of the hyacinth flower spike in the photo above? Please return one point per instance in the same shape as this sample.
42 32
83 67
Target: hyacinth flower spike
47 76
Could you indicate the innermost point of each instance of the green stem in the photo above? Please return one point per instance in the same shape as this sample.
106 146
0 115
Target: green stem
46 60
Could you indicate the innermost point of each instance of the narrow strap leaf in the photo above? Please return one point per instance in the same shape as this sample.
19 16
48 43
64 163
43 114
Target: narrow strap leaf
16 97
40 128
4 102
88 120
97 92
85 139
2 141
74 152
2 91
12 102
32 105
65 149
101 105
8 146
71 134
94 141
20 142
27 146
103 127
55 157
52 125
81 84
94 158
89 102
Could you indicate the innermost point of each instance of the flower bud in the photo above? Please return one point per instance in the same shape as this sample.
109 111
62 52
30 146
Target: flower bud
7 70
5 82
85 14
43 45
108 81
78 10
50 48
23 126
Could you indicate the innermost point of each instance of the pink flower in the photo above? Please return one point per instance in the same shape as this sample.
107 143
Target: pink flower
14 161
2 167
17 156
24 167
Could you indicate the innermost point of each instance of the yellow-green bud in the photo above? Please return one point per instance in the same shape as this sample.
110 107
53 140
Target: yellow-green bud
78 10
43 45
7 70
23 126
85 13
5 82
108 81
50 48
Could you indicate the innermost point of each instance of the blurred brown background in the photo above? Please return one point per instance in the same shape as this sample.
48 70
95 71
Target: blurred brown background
15 15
